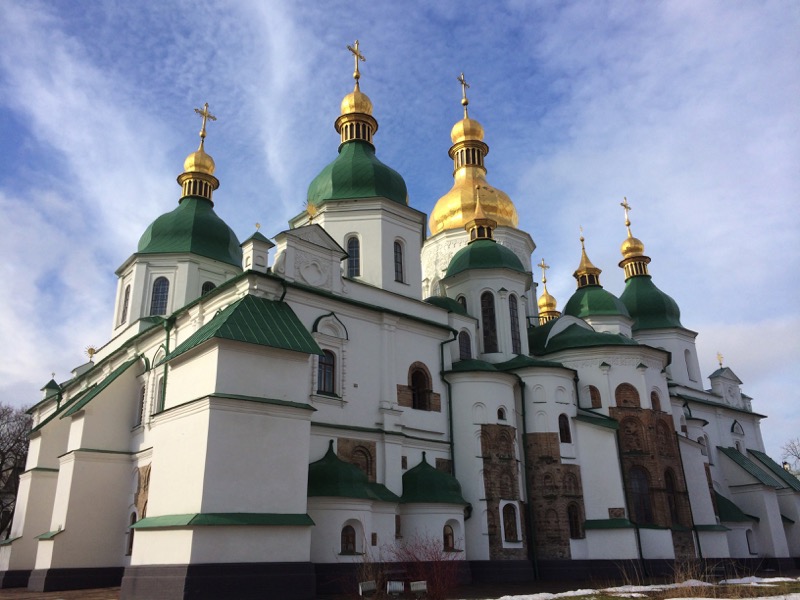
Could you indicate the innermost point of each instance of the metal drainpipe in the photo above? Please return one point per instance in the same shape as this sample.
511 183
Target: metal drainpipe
169 323
689 499
449 399
529 521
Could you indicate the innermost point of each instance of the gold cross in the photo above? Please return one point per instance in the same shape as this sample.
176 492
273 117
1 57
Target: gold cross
719 359
544 270
206 116
464 88
258 226
624 204
357 56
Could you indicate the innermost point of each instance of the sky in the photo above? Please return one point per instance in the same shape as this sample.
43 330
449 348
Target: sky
689 108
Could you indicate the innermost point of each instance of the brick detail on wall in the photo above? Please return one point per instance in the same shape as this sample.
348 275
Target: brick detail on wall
647 439
361 453
406 399
142 491
501 482
553 487
444 464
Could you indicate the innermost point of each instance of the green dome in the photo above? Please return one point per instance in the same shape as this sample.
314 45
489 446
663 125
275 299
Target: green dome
192 227
357 173
576 336
593 300
649 307
537 337
331 476
484 254
425 483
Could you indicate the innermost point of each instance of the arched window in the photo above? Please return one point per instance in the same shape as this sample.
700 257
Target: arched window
672 496
501 414
353 257
737 428
326 373
510 523
131 530
207 287
626 395
399 274
513 311
140 408
464 346
420 390
348 540
488 322
126 299
462 301
641 502
160 394
362 458
564 433
594 396
655 400
158 301
575 521
448 538
703 448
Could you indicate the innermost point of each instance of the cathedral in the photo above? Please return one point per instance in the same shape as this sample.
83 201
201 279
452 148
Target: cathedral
273 413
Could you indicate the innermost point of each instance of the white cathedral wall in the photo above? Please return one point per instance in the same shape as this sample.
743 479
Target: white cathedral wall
696 482
619 544
257 458
423 526
680 343
163 547
332 514
179 438
191 376
93 531
789 502
600 472
48 444
761 502
242 544
32 515
714 544
656 543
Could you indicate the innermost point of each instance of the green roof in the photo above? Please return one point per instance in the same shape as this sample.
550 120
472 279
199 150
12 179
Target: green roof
259 237
254 321
357 173
537 337
649 307
776 469
729 512
593 300
576 336
520 361
331 476
425 483
608 524
472 364
484 254
713 403
192 227
598 419
225 519
96 390
448 304
751 467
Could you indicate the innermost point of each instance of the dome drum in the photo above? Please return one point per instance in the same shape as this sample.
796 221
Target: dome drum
356 126
468 154
198 184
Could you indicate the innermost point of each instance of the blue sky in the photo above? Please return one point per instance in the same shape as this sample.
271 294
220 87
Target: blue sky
688 108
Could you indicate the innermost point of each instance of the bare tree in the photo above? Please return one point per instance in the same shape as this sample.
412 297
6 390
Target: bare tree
15 425
791 452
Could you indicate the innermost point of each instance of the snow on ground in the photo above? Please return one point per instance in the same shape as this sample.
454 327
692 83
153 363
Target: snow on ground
639 591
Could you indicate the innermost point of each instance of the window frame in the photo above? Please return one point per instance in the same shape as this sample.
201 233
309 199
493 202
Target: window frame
564 429
513 315
464 345
489 323
126 300
399 261
159 296
353 249
326 373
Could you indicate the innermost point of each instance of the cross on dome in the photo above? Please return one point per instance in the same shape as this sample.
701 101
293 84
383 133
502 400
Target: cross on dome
357 56
464 88
206 117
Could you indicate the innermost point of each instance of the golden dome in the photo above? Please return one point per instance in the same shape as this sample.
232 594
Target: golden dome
199 162
546 302
356 102
631 246
457 207
466 129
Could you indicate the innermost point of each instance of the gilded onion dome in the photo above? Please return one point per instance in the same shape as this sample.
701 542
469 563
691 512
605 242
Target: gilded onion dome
634 262
356 172
457 207
547 302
